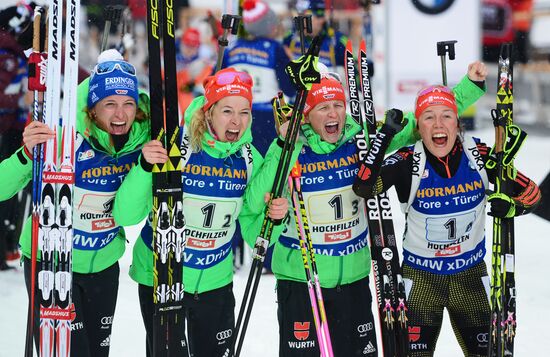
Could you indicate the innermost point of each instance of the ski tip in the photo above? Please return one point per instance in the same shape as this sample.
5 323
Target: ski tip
349 46
363 46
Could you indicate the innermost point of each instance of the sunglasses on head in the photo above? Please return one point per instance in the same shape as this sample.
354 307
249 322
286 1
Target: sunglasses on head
230 78
109 66
434 89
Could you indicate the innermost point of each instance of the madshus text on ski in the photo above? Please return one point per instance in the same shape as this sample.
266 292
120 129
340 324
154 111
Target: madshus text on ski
243 141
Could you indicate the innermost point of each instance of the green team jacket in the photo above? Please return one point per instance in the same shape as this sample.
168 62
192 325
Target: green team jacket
337 270
136 192
17 172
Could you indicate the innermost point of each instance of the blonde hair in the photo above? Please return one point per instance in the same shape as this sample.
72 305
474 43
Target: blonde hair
198 127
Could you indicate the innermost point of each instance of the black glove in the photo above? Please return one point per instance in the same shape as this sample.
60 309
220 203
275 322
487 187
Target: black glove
393 122
502 205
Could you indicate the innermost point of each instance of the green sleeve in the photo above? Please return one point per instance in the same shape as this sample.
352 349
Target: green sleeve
466 93
16 172
252 215
262 181
134 198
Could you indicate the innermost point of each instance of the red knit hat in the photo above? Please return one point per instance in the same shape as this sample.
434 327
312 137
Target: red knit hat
225 83
258 18
191 37
434 95
328 89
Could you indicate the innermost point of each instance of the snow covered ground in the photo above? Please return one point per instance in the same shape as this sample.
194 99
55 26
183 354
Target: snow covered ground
128 339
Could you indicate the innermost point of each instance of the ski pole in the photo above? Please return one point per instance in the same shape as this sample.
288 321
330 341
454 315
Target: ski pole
444 47
112 14
230 24
38 86
303 25
126 18
312 276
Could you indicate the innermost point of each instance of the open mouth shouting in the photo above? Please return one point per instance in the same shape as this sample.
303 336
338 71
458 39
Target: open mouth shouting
440 139
332 127
232 135
118 127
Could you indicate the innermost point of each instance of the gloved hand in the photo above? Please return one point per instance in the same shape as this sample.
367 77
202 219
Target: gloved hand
283 112
393 122
502 205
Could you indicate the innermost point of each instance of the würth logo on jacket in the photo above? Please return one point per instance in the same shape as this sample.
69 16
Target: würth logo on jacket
414 333
301 330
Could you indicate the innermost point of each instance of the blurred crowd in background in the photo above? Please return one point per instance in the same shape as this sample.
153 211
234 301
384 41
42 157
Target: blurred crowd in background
198 29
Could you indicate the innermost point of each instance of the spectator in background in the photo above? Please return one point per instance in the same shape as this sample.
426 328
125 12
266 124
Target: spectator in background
15 37
188 47
522 19
334 42
194 65
264 59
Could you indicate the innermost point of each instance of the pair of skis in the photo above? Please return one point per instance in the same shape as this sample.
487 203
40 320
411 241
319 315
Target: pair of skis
168 220
508 140
53 182
388 280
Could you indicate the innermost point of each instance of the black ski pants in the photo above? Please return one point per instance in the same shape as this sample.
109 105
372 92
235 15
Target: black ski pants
210 318
349 315
463 295
94 297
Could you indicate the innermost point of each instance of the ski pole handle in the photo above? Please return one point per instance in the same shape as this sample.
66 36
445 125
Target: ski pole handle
230 24
444 47
112 14
37 60
36 29
303 26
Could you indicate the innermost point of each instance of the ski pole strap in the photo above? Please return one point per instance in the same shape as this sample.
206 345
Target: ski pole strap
281 111
303 71
514 139
37 60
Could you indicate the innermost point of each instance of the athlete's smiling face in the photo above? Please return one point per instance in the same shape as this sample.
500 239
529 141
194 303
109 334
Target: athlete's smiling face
115 114
229 118
328 119
438 127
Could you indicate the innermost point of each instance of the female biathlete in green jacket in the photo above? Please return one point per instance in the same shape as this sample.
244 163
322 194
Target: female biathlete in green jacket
111 128
215 173
327 153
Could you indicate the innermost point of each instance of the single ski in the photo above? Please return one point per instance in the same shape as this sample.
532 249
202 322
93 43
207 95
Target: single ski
168 220
388 281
